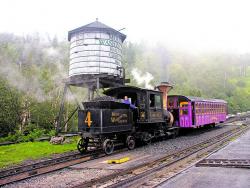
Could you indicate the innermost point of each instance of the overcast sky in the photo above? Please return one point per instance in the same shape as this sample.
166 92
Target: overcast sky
192 25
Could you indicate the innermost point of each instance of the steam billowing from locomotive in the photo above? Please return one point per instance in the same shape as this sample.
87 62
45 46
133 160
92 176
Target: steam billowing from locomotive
142 79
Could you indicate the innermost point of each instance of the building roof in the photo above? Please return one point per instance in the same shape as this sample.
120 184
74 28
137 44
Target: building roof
96 26
198 99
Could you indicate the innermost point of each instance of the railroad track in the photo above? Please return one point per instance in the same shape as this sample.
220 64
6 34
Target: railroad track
162 169
27 171
38 168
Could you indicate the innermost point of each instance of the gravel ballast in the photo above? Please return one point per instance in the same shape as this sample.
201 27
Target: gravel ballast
71 177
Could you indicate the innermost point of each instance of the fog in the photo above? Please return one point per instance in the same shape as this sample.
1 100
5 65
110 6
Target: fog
202 47
194 26
19 59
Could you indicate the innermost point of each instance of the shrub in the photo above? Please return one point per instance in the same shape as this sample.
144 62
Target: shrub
36 133
29 137
11 137
30 127
51 133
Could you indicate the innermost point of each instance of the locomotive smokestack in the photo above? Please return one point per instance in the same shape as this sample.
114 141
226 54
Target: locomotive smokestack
165 87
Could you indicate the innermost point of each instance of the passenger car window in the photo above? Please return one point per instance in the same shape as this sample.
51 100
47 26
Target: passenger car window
185 112
171 103
184 106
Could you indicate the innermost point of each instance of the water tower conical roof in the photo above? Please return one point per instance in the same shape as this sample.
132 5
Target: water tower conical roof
96 25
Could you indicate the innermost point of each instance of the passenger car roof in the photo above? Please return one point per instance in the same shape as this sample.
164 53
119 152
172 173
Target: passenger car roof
198 99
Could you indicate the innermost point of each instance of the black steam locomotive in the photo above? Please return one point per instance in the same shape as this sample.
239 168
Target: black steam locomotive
107 121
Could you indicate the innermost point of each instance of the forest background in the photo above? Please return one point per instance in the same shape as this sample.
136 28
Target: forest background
33 67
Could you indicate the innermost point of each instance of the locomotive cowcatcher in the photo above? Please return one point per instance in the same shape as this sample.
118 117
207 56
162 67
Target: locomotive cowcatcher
107 121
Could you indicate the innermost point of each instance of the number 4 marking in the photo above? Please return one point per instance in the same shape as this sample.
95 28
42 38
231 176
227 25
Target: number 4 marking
88 119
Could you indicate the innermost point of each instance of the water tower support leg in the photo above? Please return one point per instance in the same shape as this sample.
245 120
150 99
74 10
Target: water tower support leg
97 86
60 116
79 104
90 93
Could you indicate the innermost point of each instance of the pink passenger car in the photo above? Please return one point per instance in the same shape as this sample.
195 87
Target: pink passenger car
193 112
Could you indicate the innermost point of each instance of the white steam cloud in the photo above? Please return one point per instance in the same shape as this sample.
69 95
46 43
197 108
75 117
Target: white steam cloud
17 80
32 85
142 79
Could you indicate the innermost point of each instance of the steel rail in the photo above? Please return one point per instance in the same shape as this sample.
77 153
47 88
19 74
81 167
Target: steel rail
162 162
230 163
50 165
23 172
182 161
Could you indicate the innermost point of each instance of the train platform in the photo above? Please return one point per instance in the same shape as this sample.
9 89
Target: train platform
228 167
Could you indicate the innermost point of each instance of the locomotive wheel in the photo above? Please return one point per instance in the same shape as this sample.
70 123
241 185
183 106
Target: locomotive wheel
108 146
82 145
175 134
130 142
147 139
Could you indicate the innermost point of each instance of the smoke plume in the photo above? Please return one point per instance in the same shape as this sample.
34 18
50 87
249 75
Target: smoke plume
142 79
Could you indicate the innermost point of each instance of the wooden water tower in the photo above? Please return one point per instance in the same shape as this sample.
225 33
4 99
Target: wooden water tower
95 60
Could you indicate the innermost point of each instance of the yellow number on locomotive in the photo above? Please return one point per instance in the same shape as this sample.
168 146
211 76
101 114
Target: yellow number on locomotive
88 119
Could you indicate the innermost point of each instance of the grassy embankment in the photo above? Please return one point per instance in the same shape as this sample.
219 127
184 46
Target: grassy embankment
17 153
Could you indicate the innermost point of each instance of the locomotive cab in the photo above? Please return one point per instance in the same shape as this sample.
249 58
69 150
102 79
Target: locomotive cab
148 104
151 120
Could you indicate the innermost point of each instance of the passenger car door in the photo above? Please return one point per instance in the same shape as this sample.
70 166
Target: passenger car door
184 114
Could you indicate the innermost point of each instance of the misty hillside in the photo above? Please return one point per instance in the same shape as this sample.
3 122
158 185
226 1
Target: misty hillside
210 75
32 69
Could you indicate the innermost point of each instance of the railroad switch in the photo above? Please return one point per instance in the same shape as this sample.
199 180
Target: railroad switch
118 161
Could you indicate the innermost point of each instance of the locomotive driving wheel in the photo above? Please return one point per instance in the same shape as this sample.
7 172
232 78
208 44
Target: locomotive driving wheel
82 145
130 142
147 138
108 146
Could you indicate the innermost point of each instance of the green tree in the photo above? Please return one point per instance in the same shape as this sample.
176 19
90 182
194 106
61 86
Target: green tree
10 108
